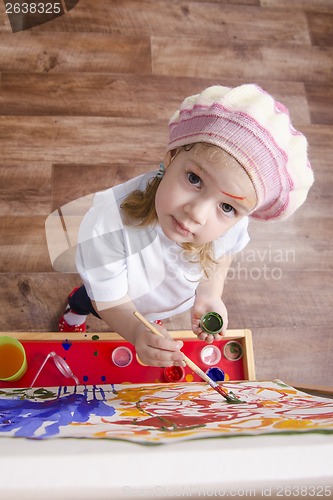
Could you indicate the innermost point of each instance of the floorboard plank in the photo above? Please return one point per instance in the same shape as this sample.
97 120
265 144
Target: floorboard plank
25 188
35 51
119 95
226 20
24 247
321 28
320 99
71 181
247 61
69 139
324 6
294 355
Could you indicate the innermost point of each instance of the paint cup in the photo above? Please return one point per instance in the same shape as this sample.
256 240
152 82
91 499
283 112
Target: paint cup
122 356
13 361
216 374
210 355
233 350
211 323
174 373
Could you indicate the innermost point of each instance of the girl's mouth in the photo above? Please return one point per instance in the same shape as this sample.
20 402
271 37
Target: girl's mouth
180 228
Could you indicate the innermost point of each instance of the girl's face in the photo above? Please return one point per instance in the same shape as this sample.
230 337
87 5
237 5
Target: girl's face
202 195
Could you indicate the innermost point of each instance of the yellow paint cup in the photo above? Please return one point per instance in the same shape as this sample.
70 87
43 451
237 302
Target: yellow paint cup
13 361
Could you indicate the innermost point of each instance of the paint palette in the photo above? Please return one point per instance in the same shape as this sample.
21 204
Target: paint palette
107 359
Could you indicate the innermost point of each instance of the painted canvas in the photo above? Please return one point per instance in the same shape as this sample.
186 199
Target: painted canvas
161 413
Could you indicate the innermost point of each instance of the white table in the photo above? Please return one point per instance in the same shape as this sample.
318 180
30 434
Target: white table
274 466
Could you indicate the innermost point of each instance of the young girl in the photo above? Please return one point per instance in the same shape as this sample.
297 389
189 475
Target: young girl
162 243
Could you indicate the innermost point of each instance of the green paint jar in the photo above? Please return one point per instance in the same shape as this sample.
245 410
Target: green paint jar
211 323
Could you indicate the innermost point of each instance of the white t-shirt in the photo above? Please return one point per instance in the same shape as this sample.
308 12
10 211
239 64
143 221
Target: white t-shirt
115 260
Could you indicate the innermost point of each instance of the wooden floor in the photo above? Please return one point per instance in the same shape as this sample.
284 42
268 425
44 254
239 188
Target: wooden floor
84 103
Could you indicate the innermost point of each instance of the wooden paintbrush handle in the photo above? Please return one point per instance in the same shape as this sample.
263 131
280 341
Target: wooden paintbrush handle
197 369
187 360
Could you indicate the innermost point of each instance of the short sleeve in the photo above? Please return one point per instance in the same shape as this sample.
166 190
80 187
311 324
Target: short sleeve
101 262
101 250
106 247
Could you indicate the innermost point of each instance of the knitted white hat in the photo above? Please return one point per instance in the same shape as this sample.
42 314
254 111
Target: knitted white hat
256 130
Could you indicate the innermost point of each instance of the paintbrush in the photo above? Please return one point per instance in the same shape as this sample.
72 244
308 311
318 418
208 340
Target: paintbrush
230 398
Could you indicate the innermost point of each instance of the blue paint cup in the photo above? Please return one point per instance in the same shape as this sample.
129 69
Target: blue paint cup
216 374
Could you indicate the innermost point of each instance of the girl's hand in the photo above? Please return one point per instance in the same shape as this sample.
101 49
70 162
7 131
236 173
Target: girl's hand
154 350
202 306
151 349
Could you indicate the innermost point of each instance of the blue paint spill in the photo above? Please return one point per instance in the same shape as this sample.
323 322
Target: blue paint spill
66 345
26 417
102 393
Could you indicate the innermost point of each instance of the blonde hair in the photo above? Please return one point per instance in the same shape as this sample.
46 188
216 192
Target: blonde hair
139 209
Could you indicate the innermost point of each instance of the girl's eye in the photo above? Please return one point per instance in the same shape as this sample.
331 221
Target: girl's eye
228 209
193 178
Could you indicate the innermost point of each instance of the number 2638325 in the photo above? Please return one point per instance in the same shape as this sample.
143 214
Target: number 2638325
304 491
33 8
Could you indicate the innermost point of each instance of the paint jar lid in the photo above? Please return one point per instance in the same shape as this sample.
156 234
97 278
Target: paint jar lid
174 373
211 323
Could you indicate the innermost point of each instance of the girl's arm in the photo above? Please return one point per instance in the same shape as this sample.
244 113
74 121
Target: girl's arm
151 349
209 297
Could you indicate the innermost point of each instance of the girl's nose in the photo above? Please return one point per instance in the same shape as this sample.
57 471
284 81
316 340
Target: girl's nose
198 212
